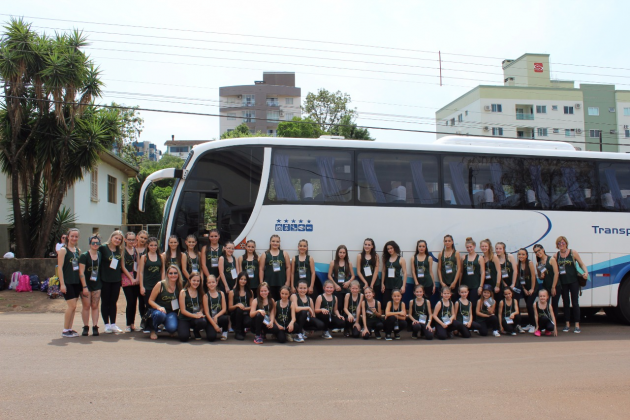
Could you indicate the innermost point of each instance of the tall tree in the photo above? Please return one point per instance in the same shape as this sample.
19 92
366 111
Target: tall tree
327 108
304 128
349 130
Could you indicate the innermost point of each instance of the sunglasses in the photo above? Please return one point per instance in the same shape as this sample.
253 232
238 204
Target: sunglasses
95 243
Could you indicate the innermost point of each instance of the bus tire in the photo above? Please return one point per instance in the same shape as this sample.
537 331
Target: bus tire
587 314
623 303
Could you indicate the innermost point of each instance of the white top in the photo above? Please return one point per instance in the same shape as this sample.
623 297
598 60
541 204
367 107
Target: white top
58 246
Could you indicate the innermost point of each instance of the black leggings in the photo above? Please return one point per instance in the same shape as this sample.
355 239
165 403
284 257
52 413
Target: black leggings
259 326
184 326
442 333
555 302
274 292
374 324
211 333
422 331
354 332
545 323
134 300
109 296
479 326
529 303
390 324
473 296
240 320
573 291
491 323
331 321
510 328
341 296
302 324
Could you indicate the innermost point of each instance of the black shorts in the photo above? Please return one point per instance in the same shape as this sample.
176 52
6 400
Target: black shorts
73 291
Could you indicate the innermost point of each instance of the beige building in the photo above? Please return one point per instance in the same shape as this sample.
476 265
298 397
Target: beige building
181 148
261 105
531 105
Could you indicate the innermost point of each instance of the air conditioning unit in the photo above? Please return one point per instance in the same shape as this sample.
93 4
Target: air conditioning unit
240 96
487 108
578 131
577 106
486 128
613 131
281 114
625 127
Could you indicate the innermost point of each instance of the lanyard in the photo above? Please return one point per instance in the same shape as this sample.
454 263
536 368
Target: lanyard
506 307
284 313
212 302
448 312
329 304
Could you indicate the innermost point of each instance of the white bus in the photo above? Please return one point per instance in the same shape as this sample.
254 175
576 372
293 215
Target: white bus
332 192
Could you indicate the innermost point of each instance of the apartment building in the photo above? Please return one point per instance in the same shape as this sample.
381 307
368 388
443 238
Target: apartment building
262 105
181 148
147 150
532 105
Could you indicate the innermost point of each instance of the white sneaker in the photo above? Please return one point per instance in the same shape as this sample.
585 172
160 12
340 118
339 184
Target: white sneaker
290 338
519 329
299 338
115 329
496 333
224 335
532 329
108 329
527 327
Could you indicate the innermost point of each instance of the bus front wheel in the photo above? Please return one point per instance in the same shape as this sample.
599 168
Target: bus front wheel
623 304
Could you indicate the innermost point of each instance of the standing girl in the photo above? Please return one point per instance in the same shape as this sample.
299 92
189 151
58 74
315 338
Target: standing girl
190 258
215 308
305 319
507 263
190 310
111 275
492 268
341 274
284 325
262 311
89 272
239 304
130 283
371 314
70 283
473 273
449 266
420 315
444 316
150 271
526 285
568 260
395 316
164 304
141 244
352 310
303 268
228 269
327 310
548 272
544 316
248 264
509 313
421 269
486 311
368 266
173 255
275 267
210 254
394 271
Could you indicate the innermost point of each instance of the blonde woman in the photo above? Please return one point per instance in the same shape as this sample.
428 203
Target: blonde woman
111 275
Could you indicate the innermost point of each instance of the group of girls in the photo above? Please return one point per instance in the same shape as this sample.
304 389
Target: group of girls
179 292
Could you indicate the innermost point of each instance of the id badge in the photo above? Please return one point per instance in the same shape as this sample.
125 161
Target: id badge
563 270
114 264
195 268
302 273
488 303
135 266
250 273
391 272
422 319
75 265
93 276
266 321
308 317
214 313
233 273
195 309
466 319
276 266
397 326
369 311
522 281
509 320
516 290
341 277
448 269
214 262
470 270
542 269
504 273
488 276
420 272
446 320
175 304
367 270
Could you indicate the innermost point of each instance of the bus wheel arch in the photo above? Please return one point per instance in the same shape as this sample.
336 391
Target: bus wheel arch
623 300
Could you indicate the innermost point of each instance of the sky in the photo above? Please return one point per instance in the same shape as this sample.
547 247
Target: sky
173 56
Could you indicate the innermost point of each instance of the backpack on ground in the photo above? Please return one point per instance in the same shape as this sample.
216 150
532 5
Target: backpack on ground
24 284
3 282
15 279
53 288
44 286
34 280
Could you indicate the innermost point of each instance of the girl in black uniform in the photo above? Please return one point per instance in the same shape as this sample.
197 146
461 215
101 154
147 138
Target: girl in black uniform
464 310
150 273
275 267
89 263
284 320
111 275
210 254
486 310
509 313
303 268
547 269
305 318
340 273
248 264
239 302
130 283
544 316
421 269
327 310
190 258
395 316
507 274
141 244
449 266
473 273
569 262
190 310
352 310
164 304
394 272
492 269
368 266
420 315
371 313
526 285
228 268
445 318
173 255
215 309
263 311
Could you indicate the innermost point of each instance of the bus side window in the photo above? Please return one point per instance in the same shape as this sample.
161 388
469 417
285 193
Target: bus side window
614 181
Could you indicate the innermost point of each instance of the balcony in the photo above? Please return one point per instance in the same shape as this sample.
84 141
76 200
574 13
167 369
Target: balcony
272 102
524 112
522 116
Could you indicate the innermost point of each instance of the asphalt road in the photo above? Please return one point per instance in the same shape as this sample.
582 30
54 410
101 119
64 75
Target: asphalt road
128 376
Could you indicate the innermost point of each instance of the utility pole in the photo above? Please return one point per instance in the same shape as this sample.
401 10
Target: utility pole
601 144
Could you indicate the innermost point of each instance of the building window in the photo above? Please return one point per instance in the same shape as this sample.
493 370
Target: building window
554 107
568 110
497 108
556 131
272 133
273 116
231 115
497 131
628 134
446 123
594 134
541 109
288 116
460 118
249 116
611 109
249 100
178 149
288 101
466 113
452 121
272 102
94 185
626 112
111 189
542 132
592 110
569 133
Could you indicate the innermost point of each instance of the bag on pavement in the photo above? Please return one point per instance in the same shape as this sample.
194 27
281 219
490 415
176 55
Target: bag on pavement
24 284
34 280
43 287
15 279
53 288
